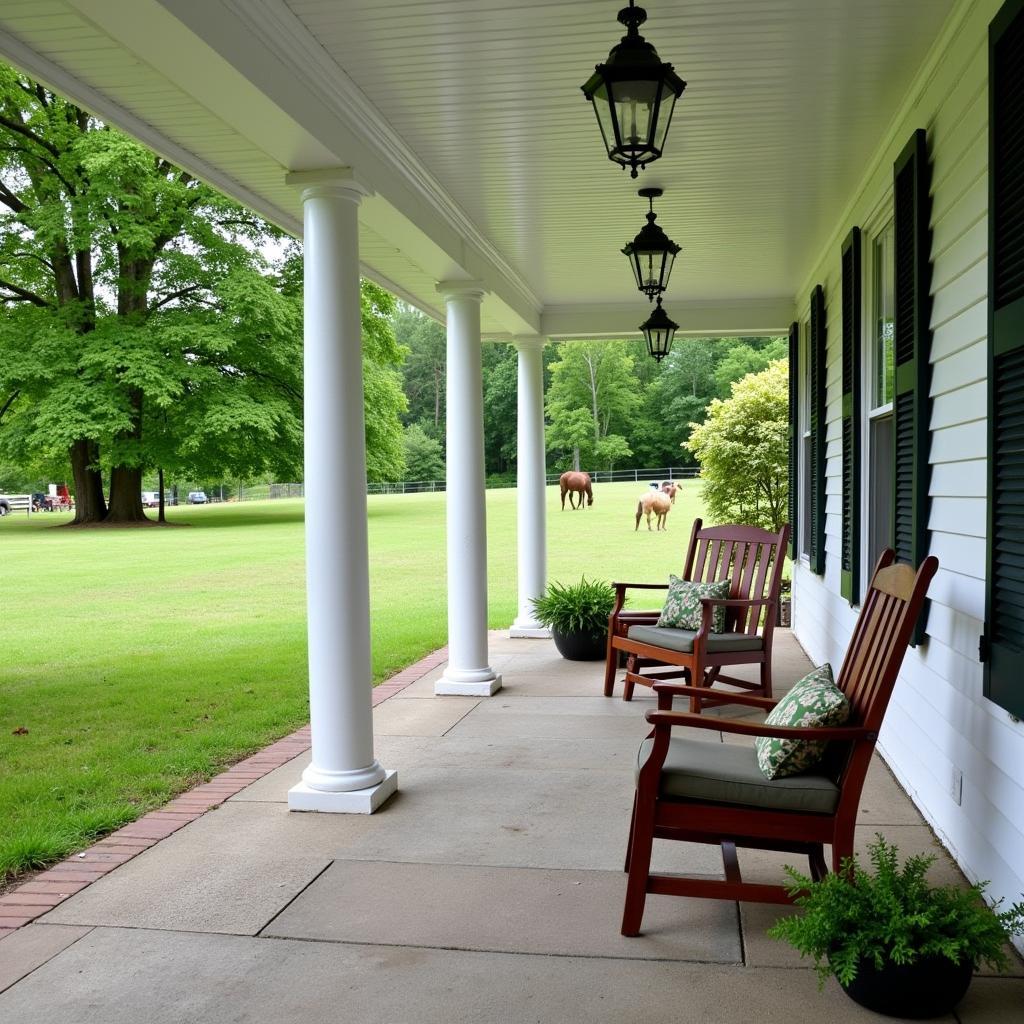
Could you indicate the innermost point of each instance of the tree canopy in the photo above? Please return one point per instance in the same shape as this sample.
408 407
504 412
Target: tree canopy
143 327
742 448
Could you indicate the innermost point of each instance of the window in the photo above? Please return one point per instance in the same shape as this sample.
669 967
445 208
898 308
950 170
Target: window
881 374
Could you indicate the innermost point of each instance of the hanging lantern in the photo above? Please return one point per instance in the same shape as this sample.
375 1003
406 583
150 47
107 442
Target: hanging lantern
634 94
659 331
652 253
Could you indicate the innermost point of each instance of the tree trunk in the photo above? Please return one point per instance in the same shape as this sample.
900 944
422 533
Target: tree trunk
89 504
126 496
576 458
161 518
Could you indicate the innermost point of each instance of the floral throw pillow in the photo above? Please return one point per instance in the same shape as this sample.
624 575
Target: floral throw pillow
683 609
814 701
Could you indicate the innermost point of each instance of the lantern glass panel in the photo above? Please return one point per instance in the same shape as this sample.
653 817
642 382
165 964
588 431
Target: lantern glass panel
602 107
667 105
634 109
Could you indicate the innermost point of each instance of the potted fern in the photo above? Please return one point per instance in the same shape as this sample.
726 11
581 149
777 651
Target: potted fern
577 615
896 945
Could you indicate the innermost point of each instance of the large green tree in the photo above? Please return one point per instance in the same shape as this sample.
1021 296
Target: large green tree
139 327
596 378
742 448
143 329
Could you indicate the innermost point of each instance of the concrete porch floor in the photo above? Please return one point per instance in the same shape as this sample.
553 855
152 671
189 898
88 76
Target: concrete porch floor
489 889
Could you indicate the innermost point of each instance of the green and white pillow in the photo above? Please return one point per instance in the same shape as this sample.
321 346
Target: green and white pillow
683 609
814 701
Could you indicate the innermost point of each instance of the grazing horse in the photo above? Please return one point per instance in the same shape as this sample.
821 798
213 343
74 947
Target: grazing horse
657 502
575 483
670 489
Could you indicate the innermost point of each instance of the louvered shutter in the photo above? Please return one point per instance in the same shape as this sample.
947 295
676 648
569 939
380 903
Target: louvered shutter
1004 600
794 435
849 576
912 343
818 425
911 347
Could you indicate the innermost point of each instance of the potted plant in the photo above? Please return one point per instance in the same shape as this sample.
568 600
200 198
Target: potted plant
896 945
577 615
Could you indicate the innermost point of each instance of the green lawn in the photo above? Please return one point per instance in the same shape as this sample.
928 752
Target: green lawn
141 661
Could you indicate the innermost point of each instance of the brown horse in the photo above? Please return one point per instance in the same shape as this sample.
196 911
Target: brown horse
669 488
575 483
656 502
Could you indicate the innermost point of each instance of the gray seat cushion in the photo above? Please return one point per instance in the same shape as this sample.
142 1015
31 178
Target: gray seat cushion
727 773
682 639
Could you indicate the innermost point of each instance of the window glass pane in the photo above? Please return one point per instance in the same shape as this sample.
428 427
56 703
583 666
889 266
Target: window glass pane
884 318
880 490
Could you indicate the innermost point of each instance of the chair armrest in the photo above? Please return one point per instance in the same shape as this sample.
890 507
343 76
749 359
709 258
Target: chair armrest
670 690
620 600
671 719
736 602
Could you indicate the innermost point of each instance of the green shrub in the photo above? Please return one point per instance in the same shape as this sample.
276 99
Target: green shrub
581 607
892 916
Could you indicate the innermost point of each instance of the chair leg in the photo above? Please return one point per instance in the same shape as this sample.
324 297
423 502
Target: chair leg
766 677
819 869
628 686
842 847
610 665
632 829
639 865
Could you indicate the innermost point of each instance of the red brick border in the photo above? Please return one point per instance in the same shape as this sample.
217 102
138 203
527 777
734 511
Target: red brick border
45 891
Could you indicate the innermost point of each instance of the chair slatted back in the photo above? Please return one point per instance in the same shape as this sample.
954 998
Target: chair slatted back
749 557
879 642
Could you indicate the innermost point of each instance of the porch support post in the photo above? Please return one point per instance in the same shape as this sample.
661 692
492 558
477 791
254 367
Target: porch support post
531 484
344 775
468 671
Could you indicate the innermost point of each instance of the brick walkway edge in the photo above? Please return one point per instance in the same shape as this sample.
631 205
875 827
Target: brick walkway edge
51 887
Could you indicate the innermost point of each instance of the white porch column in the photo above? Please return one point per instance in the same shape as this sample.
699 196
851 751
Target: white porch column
343 775
531 483
468 671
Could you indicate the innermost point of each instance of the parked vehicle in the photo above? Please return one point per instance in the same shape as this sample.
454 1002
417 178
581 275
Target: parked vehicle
150 499
15 503
197 497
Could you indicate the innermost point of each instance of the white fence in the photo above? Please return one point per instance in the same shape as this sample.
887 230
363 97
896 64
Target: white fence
262 492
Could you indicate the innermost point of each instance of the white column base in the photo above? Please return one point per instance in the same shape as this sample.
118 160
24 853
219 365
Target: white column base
463 684
527 628
357 801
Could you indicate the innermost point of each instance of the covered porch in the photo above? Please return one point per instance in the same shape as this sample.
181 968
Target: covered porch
490 890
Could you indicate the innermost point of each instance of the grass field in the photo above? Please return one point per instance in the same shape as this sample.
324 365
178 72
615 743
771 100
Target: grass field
142 660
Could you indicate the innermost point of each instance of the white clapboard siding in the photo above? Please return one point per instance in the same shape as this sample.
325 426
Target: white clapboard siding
938 722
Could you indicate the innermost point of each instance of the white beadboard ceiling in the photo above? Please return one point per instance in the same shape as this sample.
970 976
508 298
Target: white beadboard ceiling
490 163
785 100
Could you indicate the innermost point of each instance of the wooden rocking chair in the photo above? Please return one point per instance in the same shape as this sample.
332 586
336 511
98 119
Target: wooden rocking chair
751 559
713 792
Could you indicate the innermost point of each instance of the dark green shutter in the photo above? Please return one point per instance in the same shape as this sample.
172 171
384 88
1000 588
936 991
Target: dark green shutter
912 344
1003 642
794 435
849 576
818 356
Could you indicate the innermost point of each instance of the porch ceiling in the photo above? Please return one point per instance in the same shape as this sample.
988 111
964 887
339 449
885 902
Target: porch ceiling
466 117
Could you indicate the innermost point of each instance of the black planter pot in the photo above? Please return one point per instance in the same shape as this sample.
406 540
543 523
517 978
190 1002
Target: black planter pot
929 987
579 646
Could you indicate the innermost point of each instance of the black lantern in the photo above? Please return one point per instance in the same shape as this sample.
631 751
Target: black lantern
634 95
652 253
659 331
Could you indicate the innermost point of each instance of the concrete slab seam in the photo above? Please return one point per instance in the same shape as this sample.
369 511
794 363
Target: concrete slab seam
41 893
